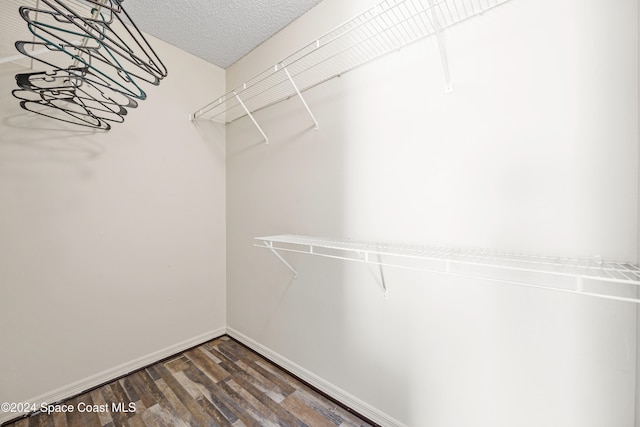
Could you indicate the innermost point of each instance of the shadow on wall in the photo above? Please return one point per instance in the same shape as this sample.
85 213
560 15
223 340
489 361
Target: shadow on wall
213 134
75 142
21 129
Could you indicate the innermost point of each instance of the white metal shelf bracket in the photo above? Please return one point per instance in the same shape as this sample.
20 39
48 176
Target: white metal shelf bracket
293 83
269 245
380 265
443 53
246 110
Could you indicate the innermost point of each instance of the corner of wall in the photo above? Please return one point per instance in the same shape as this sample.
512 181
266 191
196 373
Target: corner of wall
637 391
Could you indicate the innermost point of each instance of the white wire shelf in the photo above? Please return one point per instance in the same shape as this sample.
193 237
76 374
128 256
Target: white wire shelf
593 277
384 28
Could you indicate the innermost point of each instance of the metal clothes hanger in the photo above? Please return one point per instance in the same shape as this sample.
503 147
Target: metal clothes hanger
96 61
76 100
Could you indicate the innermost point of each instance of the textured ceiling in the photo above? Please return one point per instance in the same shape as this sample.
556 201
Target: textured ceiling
219 31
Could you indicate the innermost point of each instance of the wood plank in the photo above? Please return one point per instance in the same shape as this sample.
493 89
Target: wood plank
247 383
89 418
45 421
136 421
238 371
262 413
190 387
74 418
34 421
213 412
285 387
22 422
131 393
349 418
177 364
301 410
157 416
145 388
208 366
151 370
225 351
261 383
319 404
118 418
250 415
167 403
210 391
279 373
120 398
98 399
201 417
236 352
59 419
152 386
206 351
181 411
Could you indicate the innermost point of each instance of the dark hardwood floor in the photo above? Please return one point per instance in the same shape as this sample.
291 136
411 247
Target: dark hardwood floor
219 383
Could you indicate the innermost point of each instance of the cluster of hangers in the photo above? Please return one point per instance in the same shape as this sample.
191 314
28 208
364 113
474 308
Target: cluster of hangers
96 59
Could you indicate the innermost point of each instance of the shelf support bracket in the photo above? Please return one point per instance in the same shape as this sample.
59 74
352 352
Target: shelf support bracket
269 246
383 282
441 48
246 110
295 86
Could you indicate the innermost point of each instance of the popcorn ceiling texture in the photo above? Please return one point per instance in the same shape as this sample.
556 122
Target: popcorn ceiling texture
218 31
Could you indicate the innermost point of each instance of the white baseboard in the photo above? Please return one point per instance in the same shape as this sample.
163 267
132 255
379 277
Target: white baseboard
109 375
326 387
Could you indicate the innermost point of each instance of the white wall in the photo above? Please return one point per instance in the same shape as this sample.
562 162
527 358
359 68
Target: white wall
536 150
111 244
637 407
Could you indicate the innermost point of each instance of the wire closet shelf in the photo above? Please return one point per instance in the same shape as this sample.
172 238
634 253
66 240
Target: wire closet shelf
385 28
593 277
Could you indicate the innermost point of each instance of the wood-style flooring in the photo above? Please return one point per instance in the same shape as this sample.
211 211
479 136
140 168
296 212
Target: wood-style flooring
219 383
